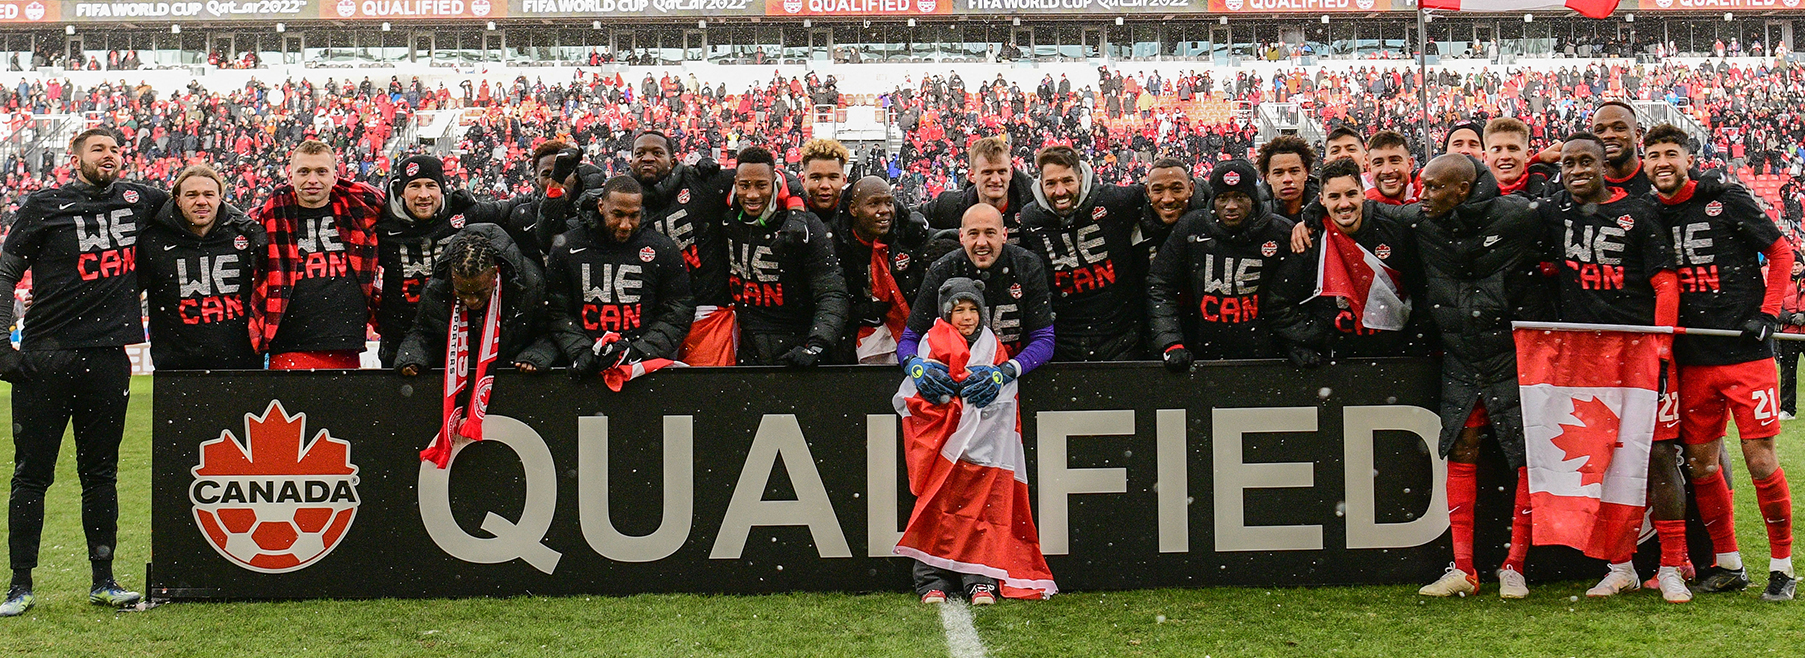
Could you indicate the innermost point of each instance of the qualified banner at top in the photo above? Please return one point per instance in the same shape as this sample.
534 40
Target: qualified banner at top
1304 6
1716 5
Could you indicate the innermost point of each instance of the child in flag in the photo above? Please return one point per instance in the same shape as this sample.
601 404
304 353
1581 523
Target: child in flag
972 525
1615 265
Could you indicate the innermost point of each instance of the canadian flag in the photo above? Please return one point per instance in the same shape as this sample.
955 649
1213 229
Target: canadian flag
1589 404
1588 8
969 474
713 338
617 375
1347 270
878 344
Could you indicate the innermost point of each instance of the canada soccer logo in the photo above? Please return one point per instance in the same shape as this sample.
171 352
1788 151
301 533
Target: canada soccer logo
792 6
346 8
1232 178
35 11
1714 208
1364 4
274 502
901 262
928 6
1626 222
1271 247
413 168
646 254
1099 212
479 7
1234 5
131 196
1383 252
683 197
1015 290
241 243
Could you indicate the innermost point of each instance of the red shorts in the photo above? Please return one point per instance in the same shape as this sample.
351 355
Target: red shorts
1709 395
1478 418
1667 416
336 359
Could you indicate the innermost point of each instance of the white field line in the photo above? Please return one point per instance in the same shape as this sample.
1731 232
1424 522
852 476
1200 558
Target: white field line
961 637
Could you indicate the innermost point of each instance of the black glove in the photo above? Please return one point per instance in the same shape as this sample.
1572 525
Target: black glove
1760 327
792 238
1177 358
565 165
1303 356
583 365
12 365
803 356
613 354
1796 319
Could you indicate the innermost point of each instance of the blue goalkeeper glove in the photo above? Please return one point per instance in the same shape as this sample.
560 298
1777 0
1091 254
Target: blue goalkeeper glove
985 383
931 379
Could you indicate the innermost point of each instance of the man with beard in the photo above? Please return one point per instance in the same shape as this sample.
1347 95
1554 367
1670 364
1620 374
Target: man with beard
611 275
1346 142
1171 192
196 262
1393 169
993 181
1615 124
317 290
1208 284
1480 254
1085 230
786 284
1313 326
1507 156
1719 237
1615 265
1285 164
558 173
686 204
823 178
879 245
1015 295
418 222
77 242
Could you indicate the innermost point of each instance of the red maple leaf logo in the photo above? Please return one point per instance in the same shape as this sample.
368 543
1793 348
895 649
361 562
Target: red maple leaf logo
1594 439
274 446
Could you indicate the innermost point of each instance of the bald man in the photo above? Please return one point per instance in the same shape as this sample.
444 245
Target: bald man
1015 290
1479 251
879 243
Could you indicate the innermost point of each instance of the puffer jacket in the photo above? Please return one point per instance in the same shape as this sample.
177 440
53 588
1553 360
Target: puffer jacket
522 308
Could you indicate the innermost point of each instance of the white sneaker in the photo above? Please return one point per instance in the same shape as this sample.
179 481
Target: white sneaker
1673 585
1454 582
1615 582
1786 415
1511 584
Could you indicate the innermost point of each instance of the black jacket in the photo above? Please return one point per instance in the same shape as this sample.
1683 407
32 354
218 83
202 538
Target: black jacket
1480 269
1324 323
1015 292
522 316
1209 283
909 235
408 251
784 277
639 289
198 290
1095 273
687 206
948 209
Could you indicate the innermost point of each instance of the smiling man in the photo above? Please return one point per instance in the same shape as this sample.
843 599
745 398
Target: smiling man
1015 294
77 241
1616 126
789 296
686 204
1085 231
1393 169
992 180
879 245
1171 192
1507 156
196 262
823 177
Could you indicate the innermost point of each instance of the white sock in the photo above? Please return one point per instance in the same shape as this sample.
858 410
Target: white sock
1781 564
1731 560
1625 567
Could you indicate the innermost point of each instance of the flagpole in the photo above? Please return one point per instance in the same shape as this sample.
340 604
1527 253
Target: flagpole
1422 87
1641 329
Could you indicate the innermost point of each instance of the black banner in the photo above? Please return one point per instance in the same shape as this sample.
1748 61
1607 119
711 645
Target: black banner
738 480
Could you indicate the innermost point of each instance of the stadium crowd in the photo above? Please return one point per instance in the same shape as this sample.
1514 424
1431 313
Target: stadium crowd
614 228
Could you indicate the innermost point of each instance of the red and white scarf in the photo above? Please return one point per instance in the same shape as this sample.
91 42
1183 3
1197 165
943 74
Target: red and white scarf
463 424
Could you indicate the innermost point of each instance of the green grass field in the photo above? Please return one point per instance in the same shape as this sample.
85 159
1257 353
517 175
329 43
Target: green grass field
1360 621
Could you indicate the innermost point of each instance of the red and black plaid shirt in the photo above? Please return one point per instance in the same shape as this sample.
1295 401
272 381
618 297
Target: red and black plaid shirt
355 207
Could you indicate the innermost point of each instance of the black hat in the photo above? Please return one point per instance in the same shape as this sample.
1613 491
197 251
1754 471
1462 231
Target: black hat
1236 176
417 167
1478 131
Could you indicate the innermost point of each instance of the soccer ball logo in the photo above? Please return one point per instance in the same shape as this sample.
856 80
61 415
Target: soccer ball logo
683 197
131 196
413 168
241 243
1383 252
926 6
792 6
1626 222
35 11
457 221
647 254
274 503
1232 178
1271 247
1234 5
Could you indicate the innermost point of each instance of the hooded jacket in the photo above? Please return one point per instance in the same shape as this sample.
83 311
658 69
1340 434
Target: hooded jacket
522 319
1209 283
908 237
1325 323
198 290
948 209
408 250
1095 274
638 288
1480 268
783 275
687 207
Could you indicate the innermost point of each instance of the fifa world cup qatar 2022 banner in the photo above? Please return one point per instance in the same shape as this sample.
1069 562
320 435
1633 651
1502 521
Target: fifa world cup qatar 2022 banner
273 485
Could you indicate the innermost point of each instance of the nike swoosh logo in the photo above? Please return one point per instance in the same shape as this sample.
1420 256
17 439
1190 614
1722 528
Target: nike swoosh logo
168 247
1491 240
393 232
578 249
65 206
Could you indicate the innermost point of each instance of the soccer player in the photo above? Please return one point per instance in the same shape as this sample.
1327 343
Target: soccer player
1312 327
787 288
879 245
610 275
475 261
197 260
1507 156
1208 284
1719 236
1393 169
1015 295
317 289
1466 138
1480 252
686 204
1285 164
1346 142
994 181
1171 192
1614 122
77 241
1615 266
823 178
1084 229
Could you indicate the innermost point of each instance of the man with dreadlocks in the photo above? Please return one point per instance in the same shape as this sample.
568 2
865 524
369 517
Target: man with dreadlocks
483 292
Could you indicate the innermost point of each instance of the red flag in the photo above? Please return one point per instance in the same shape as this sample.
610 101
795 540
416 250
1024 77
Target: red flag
623 371
969 475
1589 405
1346 270
878 344
713 338
1588 8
